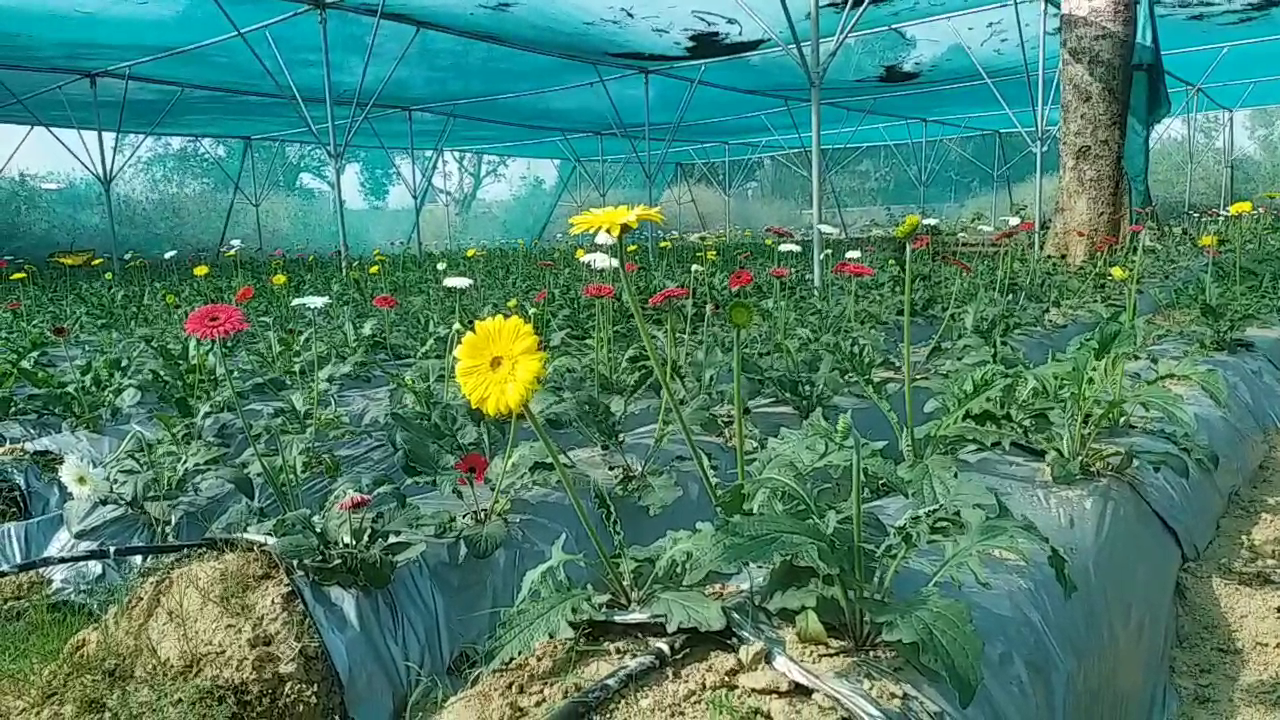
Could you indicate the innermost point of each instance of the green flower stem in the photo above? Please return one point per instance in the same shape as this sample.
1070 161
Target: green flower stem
276 489
855 501
739 430
612 575
909 432
1131 303
506 460
708 482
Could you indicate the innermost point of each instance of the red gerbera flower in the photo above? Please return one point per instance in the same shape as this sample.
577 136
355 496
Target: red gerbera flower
631 267
781 273
921 242
849 269
964 266
473 466
668 295
358 501
278 253
741 278
546 264
780 232
1027 226
15 305
216 322
385 302
598 291
4 264
1135 229
244 295
540 296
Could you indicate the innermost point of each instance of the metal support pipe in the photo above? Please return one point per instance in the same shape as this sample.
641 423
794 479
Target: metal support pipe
335 153
106 179
5 165
995 178
1041 120
257 194
1191 148
1231 155
226 220
728 193
815 136
924 148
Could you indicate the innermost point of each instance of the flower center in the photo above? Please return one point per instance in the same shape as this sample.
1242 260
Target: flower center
496 362
213 320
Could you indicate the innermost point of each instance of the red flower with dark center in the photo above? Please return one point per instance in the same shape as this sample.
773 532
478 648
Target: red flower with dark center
541 296
964 266
244 295
1027 226
921 242
385 302
740 279
1106 244
351 503
848 269
278 253
4 264
781 232
631 267
62 332
669 295
473 466
546 264
781 273
1135 229
598 291
15 305
216 322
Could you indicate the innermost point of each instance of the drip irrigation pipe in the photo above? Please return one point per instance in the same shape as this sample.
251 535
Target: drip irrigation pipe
124 551
584 704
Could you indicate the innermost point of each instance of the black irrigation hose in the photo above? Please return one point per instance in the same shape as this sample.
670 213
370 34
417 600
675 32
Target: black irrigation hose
584 704
112 553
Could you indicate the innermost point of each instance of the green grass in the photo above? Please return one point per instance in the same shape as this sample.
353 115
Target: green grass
34 630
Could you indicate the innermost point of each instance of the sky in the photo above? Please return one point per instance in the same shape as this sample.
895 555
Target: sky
42 153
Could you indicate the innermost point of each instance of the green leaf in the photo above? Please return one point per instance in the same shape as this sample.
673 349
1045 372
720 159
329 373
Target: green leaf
484 539
687 609
296 548
809 628
543 576
532 621
936 634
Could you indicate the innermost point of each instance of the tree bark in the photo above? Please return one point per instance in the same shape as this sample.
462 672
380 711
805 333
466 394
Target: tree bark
1096 67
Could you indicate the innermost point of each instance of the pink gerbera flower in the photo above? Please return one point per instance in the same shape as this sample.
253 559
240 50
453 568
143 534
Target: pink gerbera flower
357 501
669 295
741 279
385 302
216 322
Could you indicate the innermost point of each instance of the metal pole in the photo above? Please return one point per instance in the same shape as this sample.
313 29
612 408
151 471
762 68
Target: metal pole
995 177
728 193
413 188
1041 121
226 220
335 154
924 147
104 177
603 190
648 162
815 136
1231 155
257 195
1222 195
1191 147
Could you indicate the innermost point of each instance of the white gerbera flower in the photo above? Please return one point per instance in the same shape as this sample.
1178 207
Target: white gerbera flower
1011 220
605 238
171 255
599 261
696 268
311 302
930 222
788 247
79 477
853 255
985 228
128 256
962 235
826 252
440 266
457 282
829 230
235 243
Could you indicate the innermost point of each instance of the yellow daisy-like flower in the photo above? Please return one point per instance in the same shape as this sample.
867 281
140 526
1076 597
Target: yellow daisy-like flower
499 364
664 244
1244 207
711 254
96 262
1209 241
200 270
230 253
1271 195
746 233
1119 274
768 242
375 269
513 303
279 279
908 227
18 276
577 254
472 252
632 248
617 220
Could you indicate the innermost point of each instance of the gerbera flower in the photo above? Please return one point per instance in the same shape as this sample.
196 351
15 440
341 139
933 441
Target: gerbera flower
964 266
1209 241
930 222
244 295
440 266
311 302
385 302
18 276
216 322
598 261
781 232
598 291
667 296
1244 207
616 220
1118 273
781 273
664 244
604 237
472 252
15 305
740 279
200 270
96 262
457 283
541 296
788 248
61 332
1011 220
631 267
579 253
499 364
853 255
921 242
1135 229
375 269
849 269
353 502
1026 227
907 228
170 254
472 466
79 477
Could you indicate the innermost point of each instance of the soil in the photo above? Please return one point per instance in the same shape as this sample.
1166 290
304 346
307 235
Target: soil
1226 665
222 636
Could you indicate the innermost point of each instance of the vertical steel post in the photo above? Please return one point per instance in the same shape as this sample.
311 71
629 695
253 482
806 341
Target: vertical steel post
257 195
601 187
815 136
728 193
995 176
335 153
1192 102
1041 121
1231 155
226 220
924 171
648 161
105 178
1222 194
413 182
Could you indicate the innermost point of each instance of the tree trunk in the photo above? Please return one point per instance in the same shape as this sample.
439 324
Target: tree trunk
1096 67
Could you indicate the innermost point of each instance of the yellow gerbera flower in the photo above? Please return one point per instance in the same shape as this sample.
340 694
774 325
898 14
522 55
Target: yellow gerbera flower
375 269
279 279
1244 207
1209 241
18 276
513 303
472 252
96 262
499 364
200 270
632 248
908 227
711 254
617 220
664 244
768 242
577 254
1118 273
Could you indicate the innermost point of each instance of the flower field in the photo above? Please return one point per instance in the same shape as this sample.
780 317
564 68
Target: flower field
722 437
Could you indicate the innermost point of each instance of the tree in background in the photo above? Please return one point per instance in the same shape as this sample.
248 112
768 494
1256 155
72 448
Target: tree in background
461 177
1097 49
